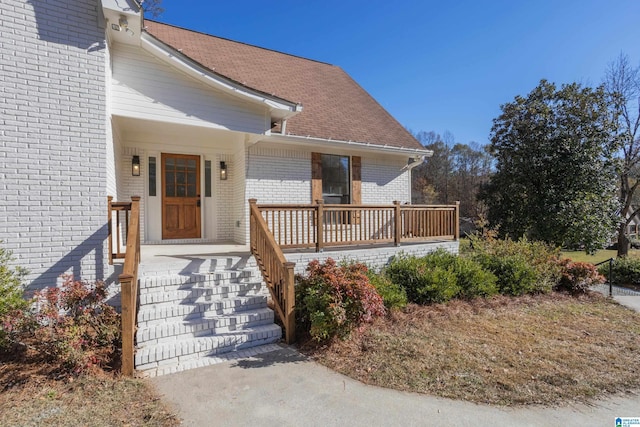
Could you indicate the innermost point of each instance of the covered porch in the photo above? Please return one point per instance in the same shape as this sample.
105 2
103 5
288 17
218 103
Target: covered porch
369 234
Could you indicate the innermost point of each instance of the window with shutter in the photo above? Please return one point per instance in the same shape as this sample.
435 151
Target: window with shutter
336 179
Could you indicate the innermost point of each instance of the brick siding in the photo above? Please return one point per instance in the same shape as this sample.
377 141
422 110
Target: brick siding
53 138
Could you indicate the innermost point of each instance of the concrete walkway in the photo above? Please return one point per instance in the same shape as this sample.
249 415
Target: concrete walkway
284 388
633 302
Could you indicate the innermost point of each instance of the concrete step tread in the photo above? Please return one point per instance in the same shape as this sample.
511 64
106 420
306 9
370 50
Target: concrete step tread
211 321
160 353
211 360
177 329
204 294
226 302
159 280
167 310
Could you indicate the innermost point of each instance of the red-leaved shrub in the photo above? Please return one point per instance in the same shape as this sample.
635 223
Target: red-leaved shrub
75 326
578 277
333 299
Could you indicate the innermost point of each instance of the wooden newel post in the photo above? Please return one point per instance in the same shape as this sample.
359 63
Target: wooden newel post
457 222
320 226
128 323
252 225
109 229
397 223
135 207
290 307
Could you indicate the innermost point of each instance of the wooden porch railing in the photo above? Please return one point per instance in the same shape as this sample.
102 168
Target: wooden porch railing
276 270
117 208
129 287
321 225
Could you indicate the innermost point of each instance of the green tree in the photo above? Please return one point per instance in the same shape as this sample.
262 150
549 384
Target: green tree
555 178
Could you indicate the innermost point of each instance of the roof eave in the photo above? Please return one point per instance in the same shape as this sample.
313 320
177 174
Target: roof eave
279 108
348 145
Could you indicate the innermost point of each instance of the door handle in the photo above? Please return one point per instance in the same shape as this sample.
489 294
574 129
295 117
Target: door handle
199 202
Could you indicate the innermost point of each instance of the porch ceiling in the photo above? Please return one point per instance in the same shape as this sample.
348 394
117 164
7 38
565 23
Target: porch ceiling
138 129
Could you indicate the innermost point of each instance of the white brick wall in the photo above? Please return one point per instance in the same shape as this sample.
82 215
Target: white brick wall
224 195
278 175
53 138
129 185
372 257
240 203
384 181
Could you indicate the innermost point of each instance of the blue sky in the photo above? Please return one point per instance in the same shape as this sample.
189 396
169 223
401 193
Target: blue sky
434 65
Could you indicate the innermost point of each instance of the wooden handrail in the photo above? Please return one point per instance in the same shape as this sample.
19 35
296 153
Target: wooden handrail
276 270
129 288
322 225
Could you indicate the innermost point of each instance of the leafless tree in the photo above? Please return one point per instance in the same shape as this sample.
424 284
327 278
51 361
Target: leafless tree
622 82
152 7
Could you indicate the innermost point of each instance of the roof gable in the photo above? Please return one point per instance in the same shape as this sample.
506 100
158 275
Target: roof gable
335 106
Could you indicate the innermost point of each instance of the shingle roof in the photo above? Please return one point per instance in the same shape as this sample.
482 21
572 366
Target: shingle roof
334 105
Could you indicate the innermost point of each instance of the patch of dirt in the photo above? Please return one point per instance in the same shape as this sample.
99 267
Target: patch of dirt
35 392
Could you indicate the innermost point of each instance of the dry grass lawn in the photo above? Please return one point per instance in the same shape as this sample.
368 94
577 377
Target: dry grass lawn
549 349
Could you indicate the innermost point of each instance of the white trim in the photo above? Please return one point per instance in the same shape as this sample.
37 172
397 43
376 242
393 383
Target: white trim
354 145
279 108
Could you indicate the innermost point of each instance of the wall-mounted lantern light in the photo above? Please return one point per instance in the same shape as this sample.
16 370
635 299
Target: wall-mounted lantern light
223 171
135 166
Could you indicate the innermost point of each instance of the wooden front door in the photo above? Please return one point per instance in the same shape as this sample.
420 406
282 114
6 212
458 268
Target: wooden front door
180 196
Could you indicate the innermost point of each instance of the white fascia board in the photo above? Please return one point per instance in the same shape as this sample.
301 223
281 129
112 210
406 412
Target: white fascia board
347 145
278 107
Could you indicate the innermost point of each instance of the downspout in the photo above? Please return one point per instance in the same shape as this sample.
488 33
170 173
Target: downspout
409 168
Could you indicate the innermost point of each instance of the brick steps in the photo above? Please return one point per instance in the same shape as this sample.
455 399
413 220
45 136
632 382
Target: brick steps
187 353
199 294
161 312
191 320
203 326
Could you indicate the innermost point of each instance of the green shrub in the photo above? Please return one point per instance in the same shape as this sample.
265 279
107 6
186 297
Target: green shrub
473 280
578 277
12 302
393 295
441 276
521 266
626 271
515 275
331 300
426 280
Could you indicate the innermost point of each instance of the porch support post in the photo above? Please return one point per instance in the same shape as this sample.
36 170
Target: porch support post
252 226
397 223
290 315
135 201
320 225
109 229
128 323
457 220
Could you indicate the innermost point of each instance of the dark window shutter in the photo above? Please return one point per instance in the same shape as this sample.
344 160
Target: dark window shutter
316 177
356 183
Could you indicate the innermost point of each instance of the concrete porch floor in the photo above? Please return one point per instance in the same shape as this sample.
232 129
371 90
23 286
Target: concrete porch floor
193 258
